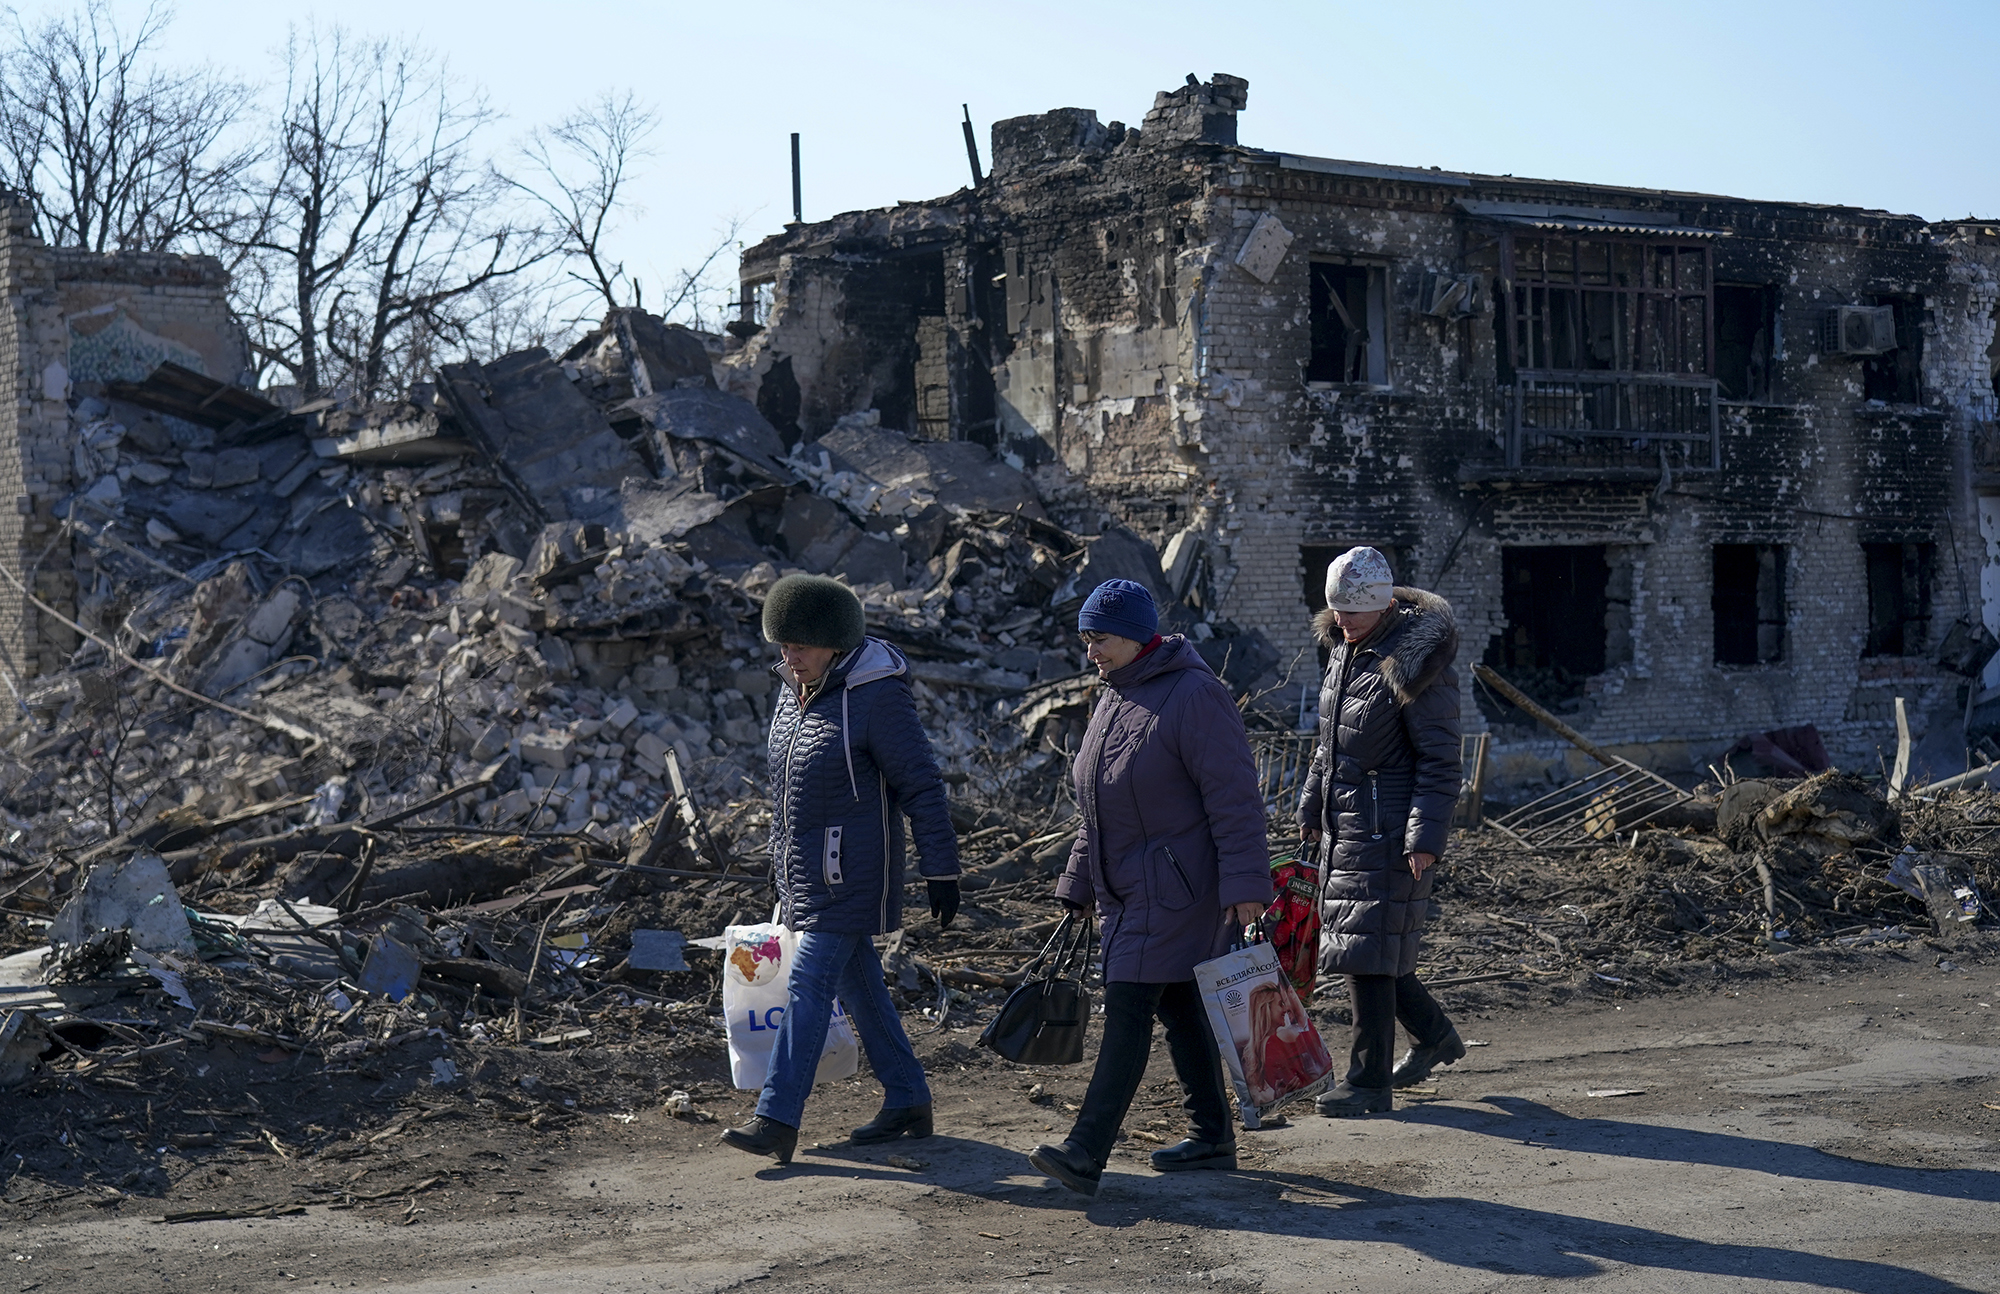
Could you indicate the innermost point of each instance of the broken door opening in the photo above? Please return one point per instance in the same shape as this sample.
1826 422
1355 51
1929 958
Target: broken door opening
1746 332
1748 599
1899 598
1347 324
1555 604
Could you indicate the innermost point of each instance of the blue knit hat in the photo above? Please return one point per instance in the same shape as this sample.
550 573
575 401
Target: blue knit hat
1120 607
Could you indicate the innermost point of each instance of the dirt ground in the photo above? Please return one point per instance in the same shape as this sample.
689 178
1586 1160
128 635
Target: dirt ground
1817 1120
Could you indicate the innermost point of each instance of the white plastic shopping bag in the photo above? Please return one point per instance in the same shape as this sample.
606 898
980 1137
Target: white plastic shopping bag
1270 1049
756 975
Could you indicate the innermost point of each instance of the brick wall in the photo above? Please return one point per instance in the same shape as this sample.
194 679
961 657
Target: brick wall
72 321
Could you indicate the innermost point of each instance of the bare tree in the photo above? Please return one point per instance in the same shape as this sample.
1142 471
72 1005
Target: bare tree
376 226
699 286
577 172
114 153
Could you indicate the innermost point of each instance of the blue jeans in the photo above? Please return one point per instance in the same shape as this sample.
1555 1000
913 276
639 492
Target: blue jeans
843 966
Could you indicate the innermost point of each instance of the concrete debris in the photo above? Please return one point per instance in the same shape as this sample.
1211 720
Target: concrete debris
136 896
24 1040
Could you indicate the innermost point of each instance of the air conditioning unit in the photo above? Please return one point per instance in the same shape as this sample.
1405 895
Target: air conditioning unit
1858 330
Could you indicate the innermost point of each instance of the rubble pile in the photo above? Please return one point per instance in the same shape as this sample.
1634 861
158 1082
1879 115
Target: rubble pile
1793 863
535 579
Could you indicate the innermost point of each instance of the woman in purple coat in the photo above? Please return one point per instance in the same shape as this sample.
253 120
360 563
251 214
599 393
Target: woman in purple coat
1172 853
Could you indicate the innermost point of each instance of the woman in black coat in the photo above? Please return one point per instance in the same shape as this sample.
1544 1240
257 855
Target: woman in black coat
1383 784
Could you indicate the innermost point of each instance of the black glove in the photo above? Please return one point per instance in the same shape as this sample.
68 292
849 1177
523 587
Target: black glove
1070 906
944 901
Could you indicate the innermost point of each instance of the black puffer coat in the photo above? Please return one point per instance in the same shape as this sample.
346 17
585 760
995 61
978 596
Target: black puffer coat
845 768
1384 781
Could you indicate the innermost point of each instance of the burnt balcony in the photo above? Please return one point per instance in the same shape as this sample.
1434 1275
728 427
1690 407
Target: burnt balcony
1598 425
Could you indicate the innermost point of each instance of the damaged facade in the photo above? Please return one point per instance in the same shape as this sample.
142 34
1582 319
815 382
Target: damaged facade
75 322
1689 467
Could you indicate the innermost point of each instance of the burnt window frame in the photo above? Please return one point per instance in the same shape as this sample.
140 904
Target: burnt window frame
1543 264
1915 584
1375 357
1768 618
1757 388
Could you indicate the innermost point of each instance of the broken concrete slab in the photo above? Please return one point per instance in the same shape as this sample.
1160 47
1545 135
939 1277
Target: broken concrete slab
208 518
136 895
233 467
541 430
272 621
959 474
660 510
23 1039
816 531
714 417
873 559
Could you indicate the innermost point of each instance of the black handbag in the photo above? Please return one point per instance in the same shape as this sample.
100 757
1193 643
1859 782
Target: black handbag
1042 1021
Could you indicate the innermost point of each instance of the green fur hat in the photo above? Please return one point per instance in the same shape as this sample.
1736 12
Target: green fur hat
813 611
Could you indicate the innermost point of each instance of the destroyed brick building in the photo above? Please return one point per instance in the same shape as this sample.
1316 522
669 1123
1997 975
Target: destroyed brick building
76 321
1689 467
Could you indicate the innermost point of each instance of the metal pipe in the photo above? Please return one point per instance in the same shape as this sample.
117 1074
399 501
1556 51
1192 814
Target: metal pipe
798 210
972 147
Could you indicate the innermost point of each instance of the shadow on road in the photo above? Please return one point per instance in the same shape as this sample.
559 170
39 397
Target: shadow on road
1511 1240
1471 1233
1530 1121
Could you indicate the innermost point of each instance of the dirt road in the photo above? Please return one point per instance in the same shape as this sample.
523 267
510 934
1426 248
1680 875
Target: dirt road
1833 1124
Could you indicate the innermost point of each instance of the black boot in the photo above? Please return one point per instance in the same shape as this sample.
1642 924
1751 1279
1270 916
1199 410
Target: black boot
1068 1165
1344 1102
764 1136
1194 1153
912 1121
1416 1066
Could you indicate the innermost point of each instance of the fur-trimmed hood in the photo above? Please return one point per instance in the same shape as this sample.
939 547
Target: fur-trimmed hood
1409 644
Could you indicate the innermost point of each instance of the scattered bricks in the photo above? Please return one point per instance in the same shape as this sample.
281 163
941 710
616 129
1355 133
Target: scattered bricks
492 743
621 717
507 609
651 753
556 653
549 749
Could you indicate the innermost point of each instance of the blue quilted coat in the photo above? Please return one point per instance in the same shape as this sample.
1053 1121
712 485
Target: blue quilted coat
845 769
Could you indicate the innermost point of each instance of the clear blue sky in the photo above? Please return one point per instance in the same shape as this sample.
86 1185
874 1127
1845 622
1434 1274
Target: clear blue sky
1876 105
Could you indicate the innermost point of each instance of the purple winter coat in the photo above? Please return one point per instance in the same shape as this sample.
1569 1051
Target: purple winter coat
1173 825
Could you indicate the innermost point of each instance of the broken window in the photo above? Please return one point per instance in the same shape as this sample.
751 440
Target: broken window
1897 376
1899 598
1348 324
1555 602
1580 305
1746 333
1748 598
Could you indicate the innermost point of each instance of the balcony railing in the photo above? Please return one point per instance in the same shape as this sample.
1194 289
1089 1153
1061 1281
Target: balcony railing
1614 420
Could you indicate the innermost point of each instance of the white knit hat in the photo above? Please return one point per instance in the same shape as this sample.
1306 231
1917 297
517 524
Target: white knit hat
1359 580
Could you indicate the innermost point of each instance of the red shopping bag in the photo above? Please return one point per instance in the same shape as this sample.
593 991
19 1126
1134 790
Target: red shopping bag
1291 923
